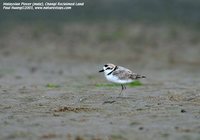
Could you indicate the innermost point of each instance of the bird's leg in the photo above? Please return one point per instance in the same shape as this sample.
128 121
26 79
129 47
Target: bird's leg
121 90
124 87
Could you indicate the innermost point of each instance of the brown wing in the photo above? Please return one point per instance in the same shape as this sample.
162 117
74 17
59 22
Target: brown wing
123 74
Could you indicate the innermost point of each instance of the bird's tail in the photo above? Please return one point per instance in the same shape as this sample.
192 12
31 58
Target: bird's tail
140 76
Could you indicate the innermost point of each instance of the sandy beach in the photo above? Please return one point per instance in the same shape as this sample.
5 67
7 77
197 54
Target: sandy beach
49 83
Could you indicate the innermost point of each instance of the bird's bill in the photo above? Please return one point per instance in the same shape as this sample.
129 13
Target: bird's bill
101 71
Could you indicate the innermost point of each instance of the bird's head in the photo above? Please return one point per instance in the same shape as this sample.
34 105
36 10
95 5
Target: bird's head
107 68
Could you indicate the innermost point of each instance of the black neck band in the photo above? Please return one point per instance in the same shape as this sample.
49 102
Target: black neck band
112 70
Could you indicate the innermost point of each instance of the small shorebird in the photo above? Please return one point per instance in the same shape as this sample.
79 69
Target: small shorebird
120 75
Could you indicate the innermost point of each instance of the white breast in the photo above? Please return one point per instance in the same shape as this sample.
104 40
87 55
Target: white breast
115 79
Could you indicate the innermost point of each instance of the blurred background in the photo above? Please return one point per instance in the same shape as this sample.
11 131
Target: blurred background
51 58
145 34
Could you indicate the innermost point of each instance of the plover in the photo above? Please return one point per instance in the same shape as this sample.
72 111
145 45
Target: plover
120 75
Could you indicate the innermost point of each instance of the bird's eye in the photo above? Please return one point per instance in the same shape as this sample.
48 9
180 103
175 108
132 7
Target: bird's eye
105 65
108 68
